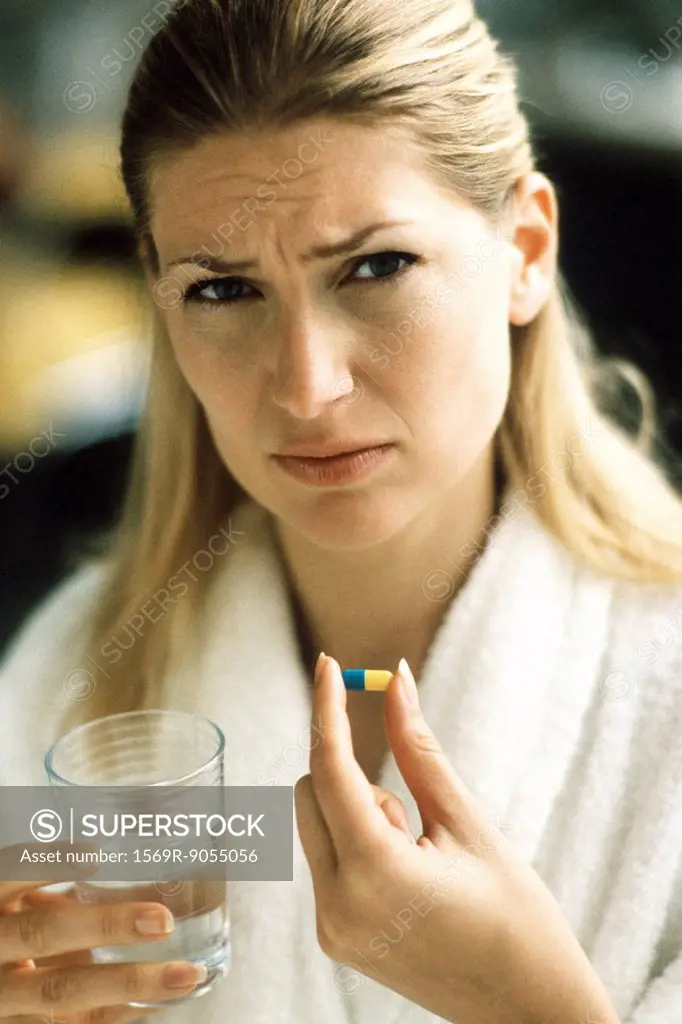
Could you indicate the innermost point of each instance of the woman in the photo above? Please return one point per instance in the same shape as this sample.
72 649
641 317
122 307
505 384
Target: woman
349 247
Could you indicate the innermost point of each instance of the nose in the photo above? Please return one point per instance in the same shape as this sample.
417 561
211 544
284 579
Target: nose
311 366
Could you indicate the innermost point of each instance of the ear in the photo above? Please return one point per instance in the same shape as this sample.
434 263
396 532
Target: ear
535 244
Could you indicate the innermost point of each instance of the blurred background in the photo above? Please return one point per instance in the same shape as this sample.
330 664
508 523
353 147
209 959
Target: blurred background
601 82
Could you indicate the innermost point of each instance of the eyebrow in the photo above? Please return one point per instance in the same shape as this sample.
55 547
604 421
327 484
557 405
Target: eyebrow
318 252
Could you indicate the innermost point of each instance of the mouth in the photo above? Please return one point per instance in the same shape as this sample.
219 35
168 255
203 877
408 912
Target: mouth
335 470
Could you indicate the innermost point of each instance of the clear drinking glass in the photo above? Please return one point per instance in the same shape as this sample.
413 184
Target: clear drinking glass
154 748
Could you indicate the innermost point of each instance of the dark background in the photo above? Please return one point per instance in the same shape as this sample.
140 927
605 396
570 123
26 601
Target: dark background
601 83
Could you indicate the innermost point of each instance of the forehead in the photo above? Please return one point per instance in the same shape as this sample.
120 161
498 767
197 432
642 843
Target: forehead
319 172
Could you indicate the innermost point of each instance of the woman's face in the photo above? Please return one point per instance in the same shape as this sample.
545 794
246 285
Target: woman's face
402 340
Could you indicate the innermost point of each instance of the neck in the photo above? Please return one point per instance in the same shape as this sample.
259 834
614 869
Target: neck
369 608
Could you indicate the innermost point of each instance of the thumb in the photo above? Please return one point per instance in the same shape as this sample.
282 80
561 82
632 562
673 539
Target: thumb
440 794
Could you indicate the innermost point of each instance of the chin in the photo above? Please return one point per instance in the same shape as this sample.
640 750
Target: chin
346 521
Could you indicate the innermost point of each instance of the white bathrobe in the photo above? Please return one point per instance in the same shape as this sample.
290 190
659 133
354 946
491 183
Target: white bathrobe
556 694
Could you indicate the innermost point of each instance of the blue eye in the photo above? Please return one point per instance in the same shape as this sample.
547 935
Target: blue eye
388 258
385 260
195 291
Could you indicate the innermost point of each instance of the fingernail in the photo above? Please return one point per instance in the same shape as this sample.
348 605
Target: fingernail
409 687
335 669
184 975
319 664
154 922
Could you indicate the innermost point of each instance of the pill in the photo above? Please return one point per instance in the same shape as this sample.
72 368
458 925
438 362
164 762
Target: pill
366 678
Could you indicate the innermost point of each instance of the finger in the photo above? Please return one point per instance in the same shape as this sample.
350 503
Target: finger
10 892
394 810
100 1015
115 1014
342 789
79 989
10 859
50 931
440 794
312 828
13 907
42 898
124 1014
45 897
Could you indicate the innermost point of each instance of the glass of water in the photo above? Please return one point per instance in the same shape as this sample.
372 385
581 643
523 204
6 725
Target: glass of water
154 748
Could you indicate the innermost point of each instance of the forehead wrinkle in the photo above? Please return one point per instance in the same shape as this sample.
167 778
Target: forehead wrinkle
277 227
183 179
276 236
210 164
189 213
222 173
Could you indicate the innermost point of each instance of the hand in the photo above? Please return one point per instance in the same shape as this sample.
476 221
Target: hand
47 972
456 920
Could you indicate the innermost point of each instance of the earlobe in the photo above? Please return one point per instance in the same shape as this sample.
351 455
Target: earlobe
529 295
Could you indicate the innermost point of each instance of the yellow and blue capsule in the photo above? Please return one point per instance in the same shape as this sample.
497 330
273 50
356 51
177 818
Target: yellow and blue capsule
366 678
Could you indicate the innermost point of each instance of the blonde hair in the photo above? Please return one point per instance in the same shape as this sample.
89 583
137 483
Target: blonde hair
431 70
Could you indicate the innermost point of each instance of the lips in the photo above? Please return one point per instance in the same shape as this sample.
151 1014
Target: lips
330 451
337 470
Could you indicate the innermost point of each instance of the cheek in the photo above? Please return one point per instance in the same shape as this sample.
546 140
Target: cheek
460 348
453 374
219 378
208 364
476 325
